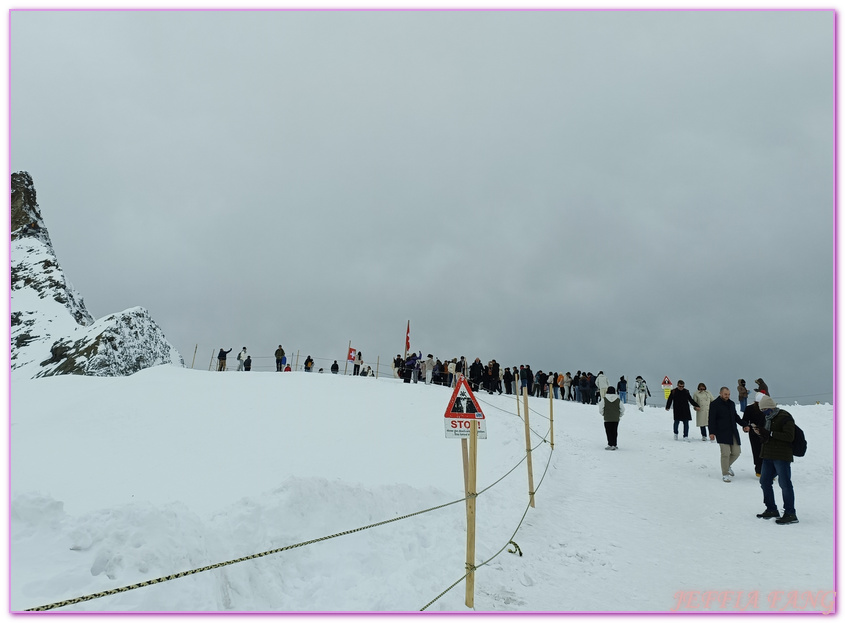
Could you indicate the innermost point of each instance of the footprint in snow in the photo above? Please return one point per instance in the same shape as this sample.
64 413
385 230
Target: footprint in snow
526 580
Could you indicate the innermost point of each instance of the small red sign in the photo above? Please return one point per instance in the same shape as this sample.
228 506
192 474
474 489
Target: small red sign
463 404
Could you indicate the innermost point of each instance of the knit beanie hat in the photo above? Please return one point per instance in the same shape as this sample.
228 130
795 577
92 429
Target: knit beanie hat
766 402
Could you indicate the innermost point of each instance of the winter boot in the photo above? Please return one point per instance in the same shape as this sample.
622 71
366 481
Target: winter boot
767 514
787 518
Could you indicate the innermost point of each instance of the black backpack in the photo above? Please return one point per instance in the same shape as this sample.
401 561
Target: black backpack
799 443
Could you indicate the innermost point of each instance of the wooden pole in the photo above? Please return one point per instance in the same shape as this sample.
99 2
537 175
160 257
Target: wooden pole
377 360
473 464
552 417
296 365
528 448
465 457
210 363
195 356
346 365
516 393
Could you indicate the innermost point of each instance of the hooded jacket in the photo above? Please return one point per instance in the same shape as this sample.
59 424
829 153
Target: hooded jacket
611 408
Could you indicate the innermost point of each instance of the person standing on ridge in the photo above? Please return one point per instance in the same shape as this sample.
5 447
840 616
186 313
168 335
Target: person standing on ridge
221 359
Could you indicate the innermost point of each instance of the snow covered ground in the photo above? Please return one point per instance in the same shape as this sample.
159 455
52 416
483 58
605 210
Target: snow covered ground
115 481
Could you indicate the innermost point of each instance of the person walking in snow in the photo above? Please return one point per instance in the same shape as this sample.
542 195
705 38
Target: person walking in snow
280 358
359 361
777 434
723 421
703 398
751 418
221 359
679 401
642 392
612 409
622 389
335 367
248 363
241 359
309 364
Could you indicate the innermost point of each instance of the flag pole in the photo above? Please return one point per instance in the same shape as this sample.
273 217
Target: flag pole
346 365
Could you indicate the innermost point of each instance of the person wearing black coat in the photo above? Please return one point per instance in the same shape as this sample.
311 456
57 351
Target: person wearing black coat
476 373
679 401
722 421
753 417
508 379
221 359
584 386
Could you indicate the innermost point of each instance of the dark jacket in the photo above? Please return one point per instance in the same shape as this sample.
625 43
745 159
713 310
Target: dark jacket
753 415
777 442
476 370
680 400
507 377
723 420
222 354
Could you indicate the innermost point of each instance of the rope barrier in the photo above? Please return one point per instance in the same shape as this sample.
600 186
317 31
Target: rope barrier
218 565
510 541
182 574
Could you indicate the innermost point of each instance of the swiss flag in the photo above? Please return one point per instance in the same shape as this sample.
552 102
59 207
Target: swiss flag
408 338
351 355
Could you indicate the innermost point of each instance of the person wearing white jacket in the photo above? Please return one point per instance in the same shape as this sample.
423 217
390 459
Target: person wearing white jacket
612 409
602 384
703 398
429 368
642 392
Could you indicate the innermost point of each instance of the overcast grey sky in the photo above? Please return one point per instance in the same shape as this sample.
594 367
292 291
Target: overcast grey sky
641 192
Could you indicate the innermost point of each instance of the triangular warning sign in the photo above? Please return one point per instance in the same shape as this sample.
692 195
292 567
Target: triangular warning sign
463 404
666 381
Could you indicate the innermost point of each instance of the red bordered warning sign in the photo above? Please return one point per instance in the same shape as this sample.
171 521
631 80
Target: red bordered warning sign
462 409
666 381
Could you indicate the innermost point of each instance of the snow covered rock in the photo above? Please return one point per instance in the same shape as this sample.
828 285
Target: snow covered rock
51 330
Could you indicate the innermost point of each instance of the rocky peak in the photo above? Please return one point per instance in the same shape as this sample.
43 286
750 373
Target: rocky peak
51 330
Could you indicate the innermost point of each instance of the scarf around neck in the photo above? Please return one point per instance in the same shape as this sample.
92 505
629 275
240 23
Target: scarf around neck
770 417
